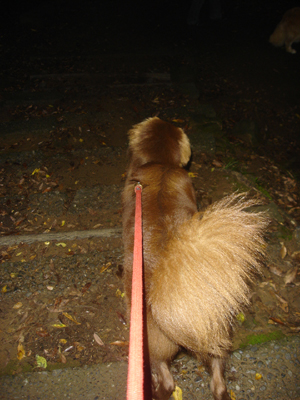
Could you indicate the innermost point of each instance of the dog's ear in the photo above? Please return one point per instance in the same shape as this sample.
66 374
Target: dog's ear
139 131
185 149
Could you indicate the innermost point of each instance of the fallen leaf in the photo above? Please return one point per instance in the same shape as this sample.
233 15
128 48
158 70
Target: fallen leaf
61 244
258 376
193 174
104 268
282 300
296 256
79 347
283 251
98 340
4 289
42 332
86 287
17 305
240 317
73 319
295 328
73 291
35 171
177 394
275 270
184 371
41 361
217 164
82 250
54 223
11 248
120 343
21 351
97 226
273 320
61 325
232 395
17 223
284 307
283 303
121 317
291 275
24 317
68 349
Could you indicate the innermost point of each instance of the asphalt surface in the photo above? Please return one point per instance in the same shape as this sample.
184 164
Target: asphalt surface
269 371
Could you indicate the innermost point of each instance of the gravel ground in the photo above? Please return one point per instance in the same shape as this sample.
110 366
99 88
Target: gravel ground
263 372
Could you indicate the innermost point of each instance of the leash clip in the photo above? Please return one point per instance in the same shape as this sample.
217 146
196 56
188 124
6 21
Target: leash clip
138 187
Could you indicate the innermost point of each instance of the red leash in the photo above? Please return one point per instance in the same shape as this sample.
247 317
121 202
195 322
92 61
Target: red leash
135 380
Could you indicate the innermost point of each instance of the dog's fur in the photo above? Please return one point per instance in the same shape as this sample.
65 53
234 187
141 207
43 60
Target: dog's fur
196 265
287 31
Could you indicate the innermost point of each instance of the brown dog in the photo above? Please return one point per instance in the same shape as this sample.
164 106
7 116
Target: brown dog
287 31
196 265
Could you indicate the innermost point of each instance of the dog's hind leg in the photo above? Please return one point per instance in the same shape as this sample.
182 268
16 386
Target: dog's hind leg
161 350
217 384
162 380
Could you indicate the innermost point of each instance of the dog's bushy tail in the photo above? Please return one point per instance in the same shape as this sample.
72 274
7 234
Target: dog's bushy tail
201 281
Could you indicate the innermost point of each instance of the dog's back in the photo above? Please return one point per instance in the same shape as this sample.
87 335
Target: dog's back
168 196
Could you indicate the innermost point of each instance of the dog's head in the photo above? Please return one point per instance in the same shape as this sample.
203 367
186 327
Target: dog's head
157 141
